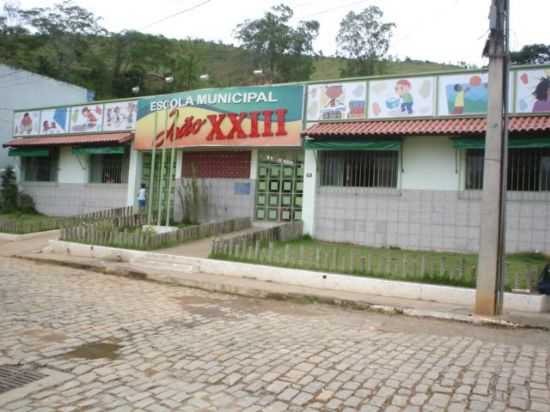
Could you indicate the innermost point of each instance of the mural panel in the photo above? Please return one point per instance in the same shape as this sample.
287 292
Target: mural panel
86 118
533 91
26 123
120 116
405 97
54 121
337 101
463 94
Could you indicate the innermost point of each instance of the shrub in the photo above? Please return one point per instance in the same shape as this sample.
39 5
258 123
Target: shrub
8 190
25 203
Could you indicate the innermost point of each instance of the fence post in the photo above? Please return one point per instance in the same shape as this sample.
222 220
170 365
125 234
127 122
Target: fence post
270 254
404 267
317 257
257 250
287 254
442 266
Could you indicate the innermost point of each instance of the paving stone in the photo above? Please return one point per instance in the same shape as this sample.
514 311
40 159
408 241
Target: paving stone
187 350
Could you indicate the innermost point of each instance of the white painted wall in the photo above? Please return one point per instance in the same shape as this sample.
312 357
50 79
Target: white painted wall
310 189
134 175
254 164
71 168
21 89
429 164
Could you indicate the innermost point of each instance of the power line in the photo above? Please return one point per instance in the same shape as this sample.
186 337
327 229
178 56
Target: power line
177 14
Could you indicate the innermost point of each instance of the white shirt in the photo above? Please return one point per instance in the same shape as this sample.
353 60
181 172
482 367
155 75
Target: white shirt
141 194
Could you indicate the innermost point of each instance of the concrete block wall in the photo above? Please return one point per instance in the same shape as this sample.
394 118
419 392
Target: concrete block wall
223 200
68 199
426 219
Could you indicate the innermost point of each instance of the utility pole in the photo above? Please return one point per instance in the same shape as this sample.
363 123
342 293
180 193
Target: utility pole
491 266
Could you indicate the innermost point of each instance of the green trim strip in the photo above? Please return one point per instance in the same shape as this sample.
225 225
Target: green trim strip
99 150
338 144
28 152
516 143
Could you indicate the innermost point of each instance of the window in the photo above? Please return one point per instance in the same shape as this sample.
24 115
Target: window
109 168
226 164
474 169
40 169
359 169
528 170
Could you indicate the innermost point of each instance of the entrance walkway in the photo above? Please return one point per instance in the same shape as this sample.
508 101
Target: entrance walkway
201 248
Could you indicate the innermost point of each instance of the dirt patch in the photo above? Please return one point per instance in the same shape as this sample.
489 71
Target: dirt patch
45 335
95 350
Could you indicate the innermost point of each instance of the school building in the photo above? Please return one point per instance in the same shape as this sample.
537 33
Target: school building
382 161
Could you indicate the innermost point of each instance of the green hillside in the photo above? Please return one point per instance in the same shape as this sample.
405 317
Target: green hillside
330 67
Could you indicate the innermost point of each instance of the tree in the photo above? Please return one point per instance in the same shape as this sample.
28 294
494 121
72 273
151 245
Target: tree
364 40
532 54
283 52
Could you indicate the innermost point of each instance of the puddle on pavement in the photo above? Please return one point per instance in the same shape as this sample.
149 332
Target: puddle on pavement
95 350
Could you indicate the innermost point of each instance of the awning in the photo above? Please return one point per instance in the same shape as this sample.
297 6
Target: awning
29 152
113 138
422 127
357 144
513 143
98 150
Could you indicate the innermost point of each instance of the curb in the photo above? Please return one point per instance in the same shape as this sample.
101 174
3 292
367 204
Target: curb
118 269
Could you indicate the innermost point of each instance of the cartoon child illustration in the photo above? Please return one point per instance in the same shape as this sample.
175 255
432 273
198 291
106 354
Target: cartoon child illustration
116 111
131 110
335 106
90 117
403 90
26 124
109 116
333 93
459 98
542 94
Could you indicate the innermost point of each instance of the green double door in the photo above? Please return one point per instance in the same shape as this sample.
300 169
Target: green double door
279 188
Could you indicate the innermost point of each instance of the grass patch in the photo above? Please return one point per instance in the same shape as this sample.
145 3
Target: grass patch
23 223
442 268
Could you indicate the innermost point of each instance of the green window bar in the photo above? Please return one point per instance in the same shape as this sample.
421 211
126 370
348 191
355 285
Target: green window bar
356 144
98 150
513 143
29 152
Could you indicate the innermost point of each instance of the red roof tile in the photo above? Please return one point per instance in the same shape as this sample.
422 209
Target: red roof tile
118 138
454 126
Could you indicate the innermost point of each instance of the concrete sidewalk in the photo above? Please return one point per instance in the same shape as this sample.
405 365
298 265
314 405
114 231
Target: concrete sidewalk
270 290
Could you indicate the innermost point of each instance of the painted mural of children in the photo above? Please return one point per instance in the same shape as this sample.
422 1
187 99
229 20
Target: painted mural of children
403 90
542 94
334 93
90 117
459 99
109 116
26 124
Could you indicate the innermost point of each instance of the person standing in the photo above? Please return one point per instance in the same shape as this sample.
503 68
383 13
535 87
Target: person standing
142 197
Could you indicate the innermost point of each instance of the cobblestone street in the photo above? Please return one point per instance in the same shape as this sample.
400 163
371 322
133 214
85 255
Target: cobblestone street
134 345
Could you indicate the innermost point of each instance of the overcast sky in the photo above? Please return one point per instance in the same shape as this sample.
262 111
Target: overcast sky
437 30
